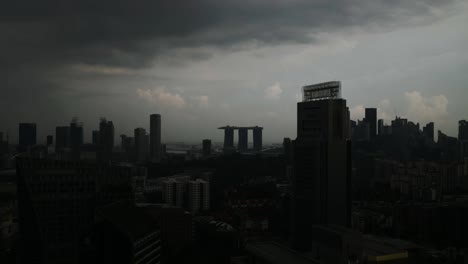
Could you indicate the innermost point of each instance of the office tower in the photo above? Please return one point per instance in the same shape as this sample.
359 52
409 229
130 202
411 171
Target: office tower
62 138
243 139
428 131
173 192
57 201
125 233
76 138
206 147
198 196
141 144
371 118
228 138
105 141
322 163
380 125
50 140
463 130
257 138
95 137
463 138
155 137
27 135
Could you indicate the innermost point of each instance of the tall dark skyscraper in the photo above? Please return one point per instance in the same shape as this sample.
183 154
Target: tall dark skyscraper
76 138
141 144
428 131
155 137
27 135
371 119
257 138
62 138
228 138
380 127
322 163
243 139
105 140
463 130
206 147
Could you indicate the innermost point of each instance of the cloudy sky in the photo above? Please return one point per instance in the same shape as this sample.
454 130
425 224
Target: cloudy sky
207 63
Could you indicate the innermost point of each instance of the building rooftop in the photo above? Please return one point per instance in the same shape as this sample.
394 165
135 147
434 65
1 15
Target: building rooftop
274 253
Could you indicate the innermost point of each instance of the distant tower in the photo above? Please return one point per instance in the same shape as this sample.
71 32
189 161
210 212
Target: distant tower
27 135
321 163
243 139
206 147
141 144
228 138
257 138
380 127
428 131
155 137
371 119
105 140
76 138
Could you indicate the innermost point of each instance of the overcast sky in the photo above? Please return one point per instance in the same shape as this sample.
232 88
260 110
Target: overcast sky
208 63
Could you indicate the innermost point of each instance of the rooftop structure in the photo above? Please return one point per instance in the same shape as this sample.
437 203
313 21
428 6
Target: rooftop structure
321 91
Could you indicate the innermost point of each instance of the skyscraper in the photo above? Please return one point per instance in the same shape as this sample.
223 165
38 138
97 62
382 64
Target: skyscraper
380 127
199 195
371 118
322 163
76 138
62 138
206 147
257 138
141 144
243 139
105 140
27 135
463 138
155 137
428 131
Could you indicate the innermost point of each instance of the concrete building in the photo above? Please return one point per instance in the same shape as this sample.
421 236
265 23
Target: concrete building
27 135
243 143
174 192
198 195
257 138
155 137
428 132
105 141
57 201
243 139
371 119
141 144
322 163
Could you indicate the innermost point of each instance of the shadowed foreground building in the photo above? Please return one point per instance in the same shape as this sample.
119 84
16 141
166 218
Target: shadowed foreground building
322 163
57 201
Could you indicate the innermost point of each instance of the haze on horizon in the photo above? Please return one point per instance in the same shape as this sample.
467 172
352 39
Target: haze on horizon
206 64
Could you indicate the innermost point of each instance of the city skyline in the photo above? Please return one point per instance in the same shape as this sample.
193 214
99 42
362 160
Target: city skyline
239 62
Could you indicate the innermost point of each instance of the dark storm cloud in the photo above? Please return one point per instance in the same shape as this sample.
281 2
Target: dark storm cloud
131 33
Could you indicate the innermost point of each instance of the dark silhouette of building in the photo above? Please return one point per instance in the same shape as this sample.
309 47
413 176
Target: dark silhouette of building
76 138
257 138
428 131
380 127
463 130
50 140
243 139
371 119
128 147
57 201
62 138
95 137
155 137
27 135
228 138
105 141
322 164
141 144
206 147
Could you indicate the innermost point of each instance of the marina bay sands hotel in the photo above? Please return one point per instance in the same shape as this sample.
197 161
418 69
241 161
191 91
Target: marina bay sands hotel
243 143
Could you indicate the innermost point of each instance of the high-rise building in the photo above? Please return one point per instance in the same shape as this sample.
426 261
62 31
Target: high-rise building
198 195
105 141
57 201
141 144
173 192
62 138
380 126
243 139
322 163
76 138
428 131
463 138
257 138
228 138
371 118
155 137
206 147
27 135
